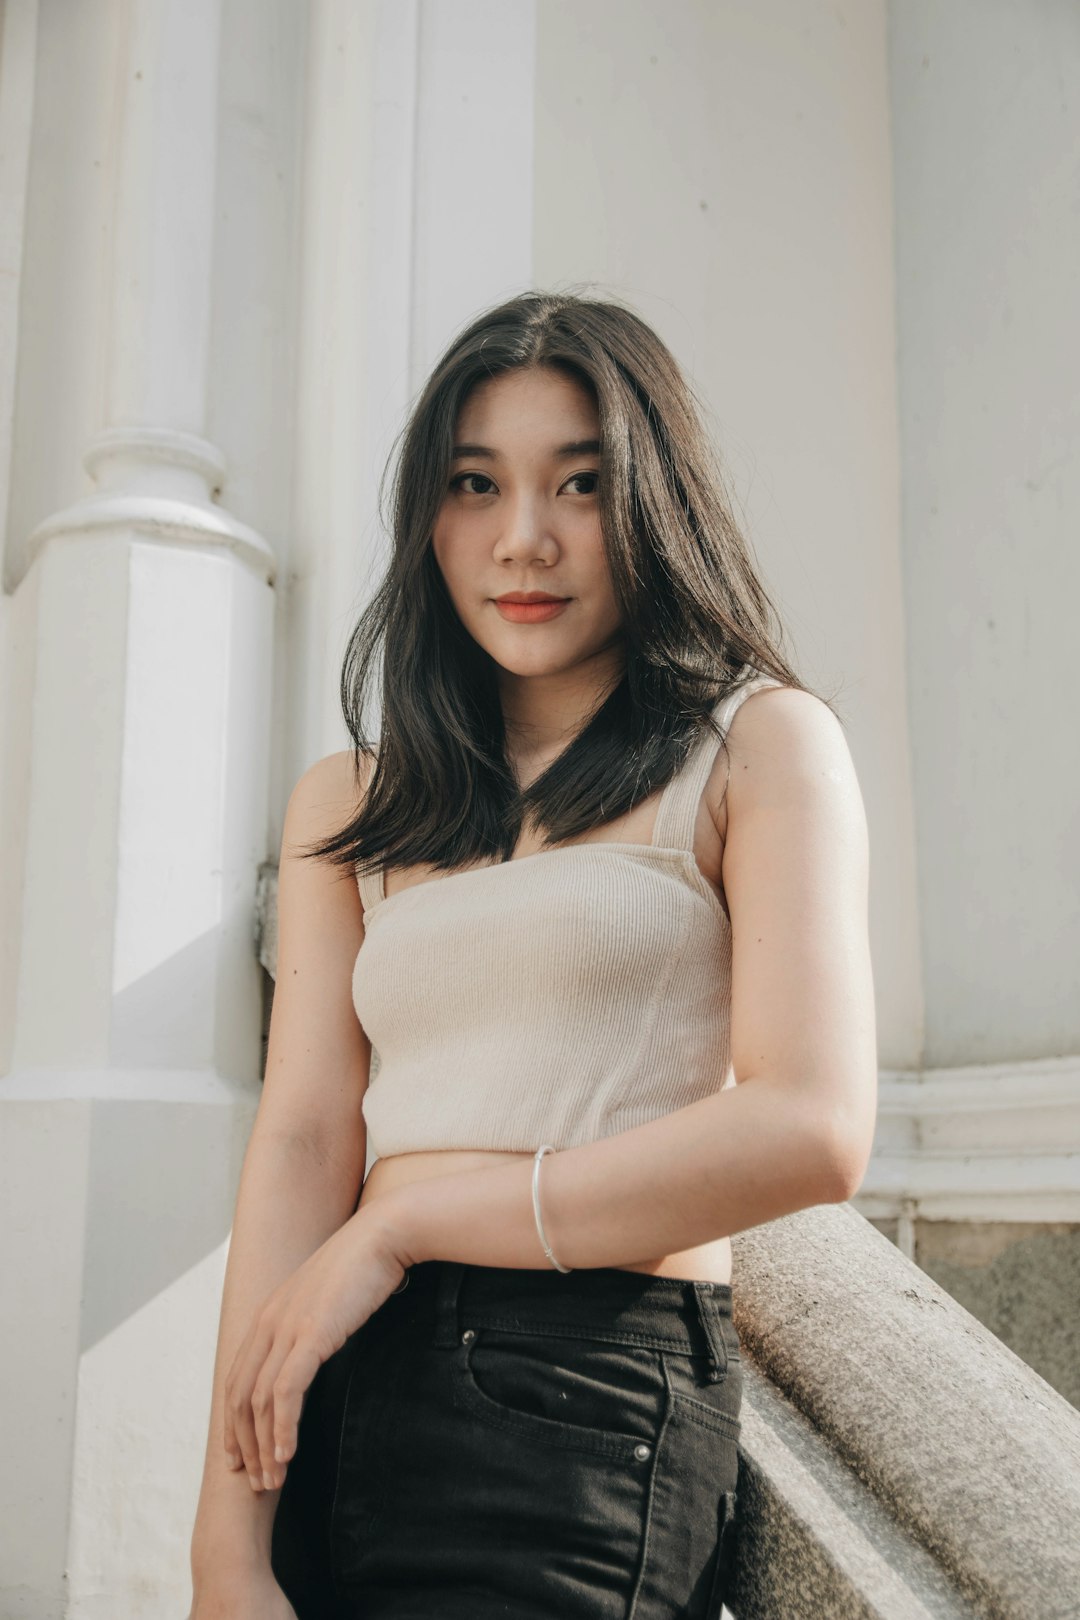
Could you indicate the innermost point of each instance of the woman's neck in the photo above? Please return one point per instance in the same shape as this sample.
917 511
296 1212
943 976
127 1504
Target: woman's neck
543 713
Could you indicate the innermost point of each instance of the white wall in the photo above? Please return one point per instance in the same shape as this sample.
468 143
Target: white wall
396 249
986 112
357 188
59 379
727 168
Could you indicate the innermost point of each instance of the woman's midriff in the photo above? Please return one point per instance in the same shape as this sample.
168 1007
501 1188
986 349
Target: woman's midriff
707 1262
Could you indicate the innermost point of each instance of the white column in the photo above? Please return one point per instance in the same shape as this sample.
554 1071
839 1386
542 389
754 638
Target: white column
474 166
987 132
407 140
135 1071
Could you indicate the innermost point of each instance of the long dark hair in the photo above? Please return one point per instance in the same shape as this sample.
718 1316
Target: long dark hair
441 791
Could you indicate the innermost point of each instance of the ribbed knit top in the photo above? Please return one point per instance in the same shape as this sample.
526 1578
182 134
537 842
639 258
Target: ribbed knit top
556 997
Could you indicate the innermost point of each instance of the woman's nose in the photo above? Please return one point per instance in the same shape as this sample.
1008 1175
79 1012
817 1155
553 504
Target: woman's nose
525 531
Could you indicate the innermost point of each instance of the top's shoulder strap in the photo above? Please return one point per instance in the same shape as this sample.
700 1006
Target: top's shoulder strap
676 814
371 888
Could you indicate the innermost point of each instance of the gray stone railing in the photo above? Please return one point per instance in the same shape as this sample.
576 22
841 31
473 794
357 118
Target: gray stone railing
897 1461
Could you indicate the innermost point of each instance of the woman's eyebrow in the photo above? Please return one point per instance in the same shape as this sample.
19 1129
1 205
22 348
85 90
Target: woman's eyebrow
579 447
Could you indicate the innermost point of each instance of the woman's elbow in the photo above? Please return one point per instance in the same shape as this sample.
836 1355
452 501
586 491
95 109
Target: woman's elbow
845 1156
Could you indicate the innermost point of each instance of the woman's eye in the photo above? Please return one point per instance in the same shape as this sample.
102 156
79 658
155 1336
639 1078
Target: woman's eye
462 478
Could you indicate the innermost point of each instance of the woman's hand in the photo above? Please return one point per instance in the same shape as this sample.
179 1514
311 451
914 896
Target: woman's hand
301 1324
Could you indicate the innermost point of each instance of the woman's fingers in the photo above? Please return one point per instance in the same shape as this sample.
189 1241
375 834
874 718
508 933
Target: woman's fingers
264 1396
233 1455
239 1388
302 1323
263 1399
291 1385
277 1400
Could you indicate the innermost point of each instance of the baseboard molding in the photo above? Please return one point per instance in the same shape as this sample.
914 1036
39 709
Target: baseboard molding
984 1142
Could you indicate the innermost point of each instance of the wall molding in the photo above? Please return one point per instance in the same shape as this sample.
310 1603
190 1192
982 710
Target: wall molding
983 1142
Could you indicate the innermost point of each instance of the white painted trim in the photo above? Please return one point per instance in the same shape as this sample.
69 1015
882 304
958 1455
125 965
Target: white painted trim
985 1142
110 453
159 483
974 1088
141 1085
160 518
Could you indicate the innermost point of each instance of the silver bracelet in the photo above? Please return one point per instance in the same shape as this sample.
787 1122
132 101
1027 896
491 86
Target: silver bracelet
546 1148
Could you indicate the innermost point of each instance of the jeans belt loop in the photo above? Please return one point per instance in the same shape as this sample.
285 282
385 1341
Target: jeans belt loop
446 1303
704 1300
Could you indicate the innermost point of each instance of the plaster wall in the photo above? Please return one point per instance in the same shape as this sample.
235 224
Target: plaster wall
59 353
986 112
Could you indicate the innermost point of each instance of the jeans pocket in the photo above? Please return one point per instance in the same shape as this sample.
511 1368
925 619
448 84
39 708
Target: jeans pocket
583 1393
690 1376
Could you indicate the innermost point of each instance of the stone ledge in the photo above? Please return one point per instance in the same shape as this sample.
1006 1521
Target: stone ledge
813 1541
971 1455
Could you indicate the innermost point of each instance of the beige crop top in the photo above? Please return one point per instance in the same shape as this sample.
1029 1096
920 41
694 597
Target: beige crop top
556 997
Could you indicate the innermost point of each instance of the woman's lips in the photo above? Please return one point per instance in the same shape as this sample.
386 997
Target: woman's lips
530 612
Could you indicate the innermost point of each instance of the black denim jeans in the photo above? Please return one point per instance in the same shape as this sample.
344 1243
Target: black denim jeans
528 1444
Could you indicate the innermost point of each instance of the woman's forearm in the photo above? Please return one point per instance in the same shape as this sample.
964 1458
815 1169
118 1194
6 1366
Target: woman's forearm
737 1159
293 1195
734 1160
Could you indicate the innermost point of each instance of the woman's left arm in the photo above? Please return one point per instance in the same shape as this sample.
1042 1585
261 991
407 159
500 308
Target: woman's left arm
795 1131
797 1128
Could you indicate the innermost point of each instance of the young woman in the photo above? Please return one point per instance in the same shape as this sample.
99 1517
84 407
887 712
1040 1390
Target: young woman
598 902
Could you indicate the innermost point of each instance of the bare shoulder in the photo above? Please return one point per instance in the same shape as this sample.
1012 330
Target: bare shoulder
327 795
786 750
317 1062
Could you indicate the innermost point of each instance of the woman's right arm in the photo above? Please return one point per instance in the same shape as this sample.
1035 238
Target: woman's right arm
304 1164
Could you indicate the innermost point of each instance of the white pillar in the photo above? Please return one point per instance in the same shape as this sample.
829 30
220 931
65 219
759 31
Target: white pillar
473 243
397 251
135 1067
987 132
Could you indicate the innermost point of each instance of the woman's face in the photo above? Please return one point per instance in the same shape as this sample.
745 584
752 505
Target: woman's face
522 515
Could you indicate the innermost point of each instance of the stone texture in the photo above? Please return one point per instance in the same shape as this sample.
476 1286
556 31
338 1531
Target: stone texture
972 1455
813 1541
1022 1281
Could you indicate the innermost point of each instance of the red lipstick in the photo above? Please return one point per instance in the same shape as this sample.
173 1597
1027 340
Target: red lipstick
530 607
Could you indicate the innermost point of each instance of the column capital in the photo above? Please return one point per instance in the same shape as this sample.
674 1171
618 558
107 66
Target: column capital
160 483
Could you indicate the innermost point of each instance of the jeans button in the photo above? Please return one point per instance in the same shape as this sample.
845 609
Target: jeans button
641 1452
469 1333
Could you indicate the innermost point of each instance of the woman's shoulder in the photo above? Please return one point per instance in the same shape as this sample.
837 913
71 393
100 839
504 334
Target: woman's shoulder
328 793
786 745
786 713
